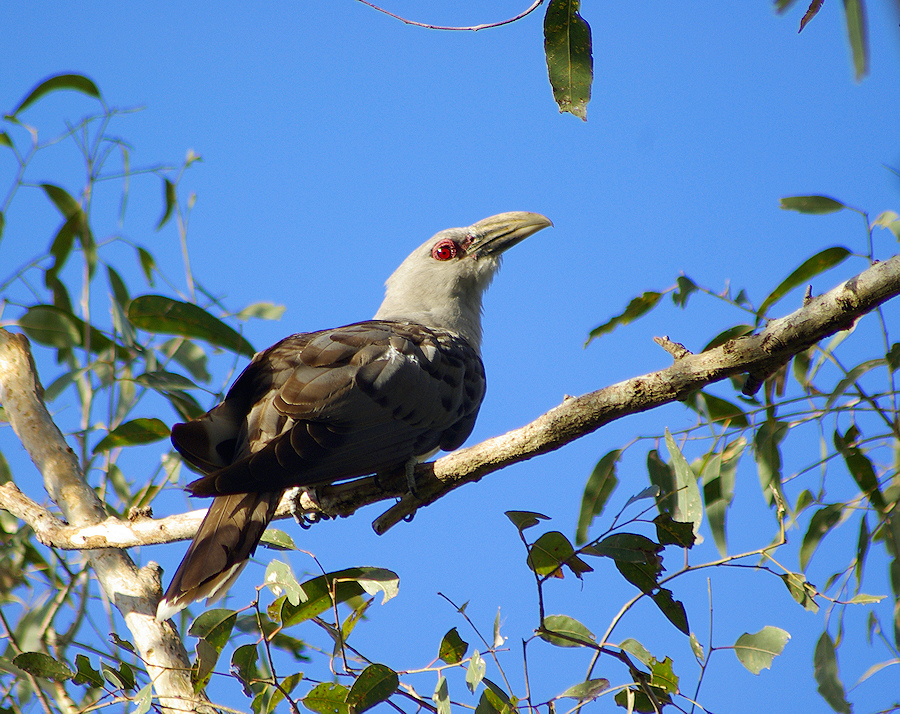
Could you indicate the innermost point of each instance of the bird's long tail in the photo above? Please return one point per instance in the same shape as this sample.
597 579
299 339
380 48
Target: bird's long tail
225 540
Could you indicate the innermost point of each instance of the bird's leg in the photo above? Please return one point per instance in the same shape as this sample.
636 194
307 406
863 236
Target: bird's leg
303 518
410 467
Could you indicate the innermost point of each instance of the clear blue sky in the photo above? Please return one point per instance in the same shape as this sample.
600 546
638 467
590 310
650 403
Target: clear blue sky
335 139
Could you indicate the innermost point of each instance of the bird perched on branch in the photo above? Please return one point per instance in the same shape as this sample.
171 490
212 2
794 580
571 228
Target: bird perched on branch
362 399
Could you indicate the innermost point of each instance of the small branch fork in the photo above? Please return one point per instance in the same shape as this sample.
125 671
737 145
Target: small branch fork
473 28
133 591
575 417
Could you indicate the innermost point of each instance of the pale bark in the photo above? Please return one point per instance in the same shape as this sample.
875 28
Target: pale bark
133 591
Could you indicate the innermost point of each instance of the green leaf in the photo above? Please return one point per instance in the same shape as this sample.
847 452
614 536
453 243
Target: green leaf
155 313
277 540
261 311
672 609
549 553
585 691
375 580
627 548
163 381
811 204
59 328
5 140
51 326
62 199
864 599
204 664
597 490
662 476
77 82
851 378
475 671
315 594
860 466
820 524
819 263
525 519
86 673
697 649
281 581
670 532
148 263
643 576
143 699
663 676
441 696
718 410
686 288
453 647
766 446
858 34
61 247
117 285
636 308
727 335
635 648
718 476
328 698
862 548
136 431
826 674
801 590
564 631
889 220
375 684
171 199
40 664
214 626
189 355
634 699
244 665
756 651
567 44
688 504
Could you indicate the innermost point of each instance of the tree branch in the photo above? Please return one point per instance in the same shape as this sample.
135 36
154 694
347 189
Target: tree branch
134 592
758 354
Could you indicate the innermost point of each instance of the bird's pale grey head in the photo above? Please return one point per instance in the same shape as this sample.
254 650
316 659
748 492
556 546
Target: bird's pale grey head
442 281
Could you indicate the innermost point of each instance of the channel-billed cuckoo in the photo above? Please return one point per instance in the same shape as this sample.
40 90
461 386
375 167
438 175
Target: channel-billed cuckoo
362 399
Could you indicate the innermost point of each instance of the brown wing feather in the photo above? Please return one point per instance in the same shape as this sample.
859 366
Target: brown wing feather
342 403
316 408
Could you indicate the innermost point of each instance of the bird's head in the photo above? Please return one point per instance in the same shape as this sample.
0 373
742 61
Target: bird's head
442 281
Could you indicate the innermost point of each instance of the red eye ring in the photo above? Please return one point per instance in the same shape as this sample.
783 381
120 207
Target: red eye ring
444 250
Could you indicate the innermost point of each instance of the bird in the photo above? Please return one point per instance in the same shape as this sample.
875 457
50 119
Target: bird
361 399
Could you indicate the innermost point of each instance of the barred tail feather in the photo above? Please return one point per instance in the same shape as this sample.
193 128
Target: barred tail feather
227 537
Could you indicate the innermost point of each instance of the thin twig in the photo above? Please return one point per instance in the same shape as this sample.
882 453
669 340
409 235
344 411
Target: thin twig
473 28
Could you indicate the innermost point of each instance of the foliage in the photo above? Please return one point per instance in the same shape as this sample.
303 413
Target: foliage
568 46
126 356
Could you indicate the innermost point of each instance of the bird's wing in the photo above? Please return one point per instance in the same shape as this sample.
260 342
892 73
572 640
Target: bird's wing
330 405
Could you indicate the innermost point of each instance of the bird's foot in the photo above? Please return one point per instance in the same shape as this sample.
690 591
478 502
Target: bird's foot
302 516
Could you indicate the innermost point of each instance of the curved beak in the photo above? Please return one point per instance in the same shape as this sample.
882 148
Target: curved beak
494 235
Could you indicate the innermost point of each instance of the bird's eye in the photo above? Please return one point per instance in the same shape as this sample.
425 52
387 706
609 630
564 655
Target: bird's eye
444 250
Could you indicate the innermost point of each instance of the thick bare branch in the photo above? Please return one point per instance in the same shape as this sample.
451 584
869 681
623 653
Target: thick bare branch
574 418
134 592
781 339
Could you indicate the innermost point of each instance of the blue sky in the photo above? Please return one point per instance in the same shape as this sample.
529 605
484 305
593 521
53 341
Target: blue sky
335 139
